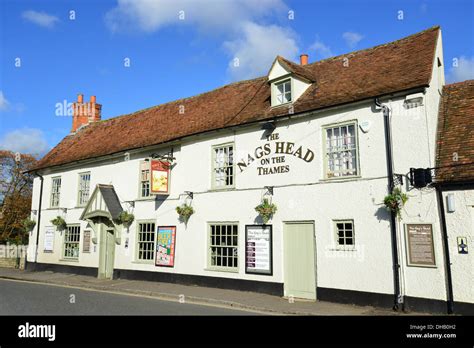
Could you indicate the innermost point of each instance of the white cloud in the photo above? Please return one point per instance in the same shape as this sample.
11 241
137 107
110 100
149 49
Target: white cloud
215 16
4 103
321 50
40 18
352 38
463 71
257 47
26 140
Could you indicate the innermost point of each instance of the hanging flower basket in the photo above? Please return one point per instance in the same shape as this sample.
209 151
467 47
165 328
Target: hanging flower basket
185 211
125 218
28 224
59 222
266 210
395 201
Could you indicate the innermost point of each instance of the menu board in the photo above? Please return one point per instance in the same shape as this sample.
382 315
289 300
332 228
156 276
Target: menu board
86 244
48 242
258 253
420 245
165 246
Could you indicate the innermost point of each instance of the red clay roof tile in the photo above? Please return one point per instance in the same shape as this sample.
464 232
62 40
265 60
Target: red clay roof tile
384 69
455 140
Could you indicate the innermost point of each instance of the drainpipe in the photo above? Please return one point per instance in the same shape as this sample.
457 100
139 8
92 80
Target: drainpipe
398 298
444 231
39 214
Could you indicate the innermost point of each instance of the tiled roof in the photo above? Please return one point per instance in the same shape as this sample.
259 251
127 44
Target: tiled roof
380 70
455 142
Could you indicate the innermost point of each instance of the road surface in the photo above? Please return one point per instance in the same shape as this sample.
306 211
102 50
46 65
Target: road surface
26 298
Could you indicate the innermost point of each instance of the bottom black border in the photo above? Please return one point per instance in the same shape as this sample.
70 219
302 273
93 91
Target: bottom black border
244 330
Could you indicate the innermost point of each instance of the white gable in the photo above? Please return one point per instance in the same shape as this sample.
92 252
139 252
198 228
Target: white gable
277 71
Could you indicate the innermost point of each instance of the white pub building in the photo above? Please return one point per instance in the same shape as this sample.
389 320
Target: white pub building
323 143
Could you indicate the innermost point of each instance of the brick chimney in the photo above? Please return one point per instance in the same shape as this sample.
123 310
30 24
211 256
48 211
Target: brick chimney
85 113
303 59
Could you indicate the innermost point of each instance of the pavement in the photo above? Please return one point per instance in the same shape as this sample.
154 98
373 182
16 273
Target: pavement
198 295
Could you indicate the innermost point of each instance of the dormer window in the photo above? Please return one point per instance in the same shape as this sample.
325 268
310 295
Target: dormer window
283 92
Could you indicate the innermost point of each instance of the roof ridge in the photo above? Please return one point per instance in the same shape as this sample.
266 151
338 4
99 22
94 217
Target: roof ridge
436 27
179 100
454 84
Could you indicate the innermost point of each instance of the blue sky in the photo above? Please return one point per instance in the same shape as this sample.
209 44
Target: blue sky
49 54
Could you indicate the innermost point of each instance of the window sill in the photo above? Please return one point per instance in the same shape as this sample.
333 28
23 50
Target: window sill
69 260
211 269
343 248
143 262
230 188
281 105
145 199
344 178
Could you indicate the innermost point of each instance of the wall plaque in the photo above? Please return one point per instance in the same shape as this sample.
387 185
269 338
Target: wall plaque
419 238
86 243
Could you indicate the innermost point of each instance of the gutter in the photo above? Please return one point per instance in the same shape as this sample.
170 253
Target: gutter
398 298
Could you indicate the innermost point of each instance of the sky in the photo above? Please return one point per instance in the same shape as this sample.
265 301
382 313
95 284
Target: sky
134 54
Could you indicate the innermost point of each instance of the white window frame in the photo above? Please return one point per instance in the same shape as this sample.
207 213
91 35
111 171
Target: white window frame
212 243
142 182
80 190
225 166
277 94
330 174
73 243
147 242
344 230
55 197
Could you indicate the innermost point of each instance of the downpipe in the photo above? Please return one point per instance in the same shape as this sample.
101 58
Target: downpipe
39 215
398 298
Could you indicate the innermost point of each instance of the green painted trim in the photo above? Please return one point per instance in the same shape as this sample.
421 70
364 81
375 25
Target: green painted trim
208 245
136 247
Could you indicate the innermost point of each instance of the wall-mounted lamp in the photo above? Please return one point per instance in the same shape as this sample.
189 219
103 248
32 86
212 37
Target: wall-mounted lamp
450 203
269 189
268 127
64 210
189 194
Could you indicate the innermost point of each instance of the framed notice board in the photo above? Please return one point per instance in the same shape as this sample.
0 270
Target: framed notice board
420 245
165 246
258 249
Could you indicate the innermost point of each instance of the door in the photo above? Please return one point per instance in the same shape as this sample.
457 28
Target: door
107 253
299 260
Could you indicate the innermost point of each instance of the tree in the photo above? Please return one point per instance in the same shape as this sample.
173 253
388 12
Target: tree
16 188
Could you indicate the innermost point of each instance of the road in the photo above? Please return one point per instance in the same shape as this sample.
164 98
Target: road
25 298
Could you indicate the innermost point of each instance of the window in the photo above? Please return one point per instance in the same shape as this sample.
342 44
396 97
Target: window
283 92
223 166
144 179
146 241
55 192
223 246
84 184
341 151
71 242
345 232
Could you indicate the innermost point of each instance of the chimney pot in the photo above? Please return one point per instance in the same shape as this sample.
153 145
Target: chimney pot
303 59
84 114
